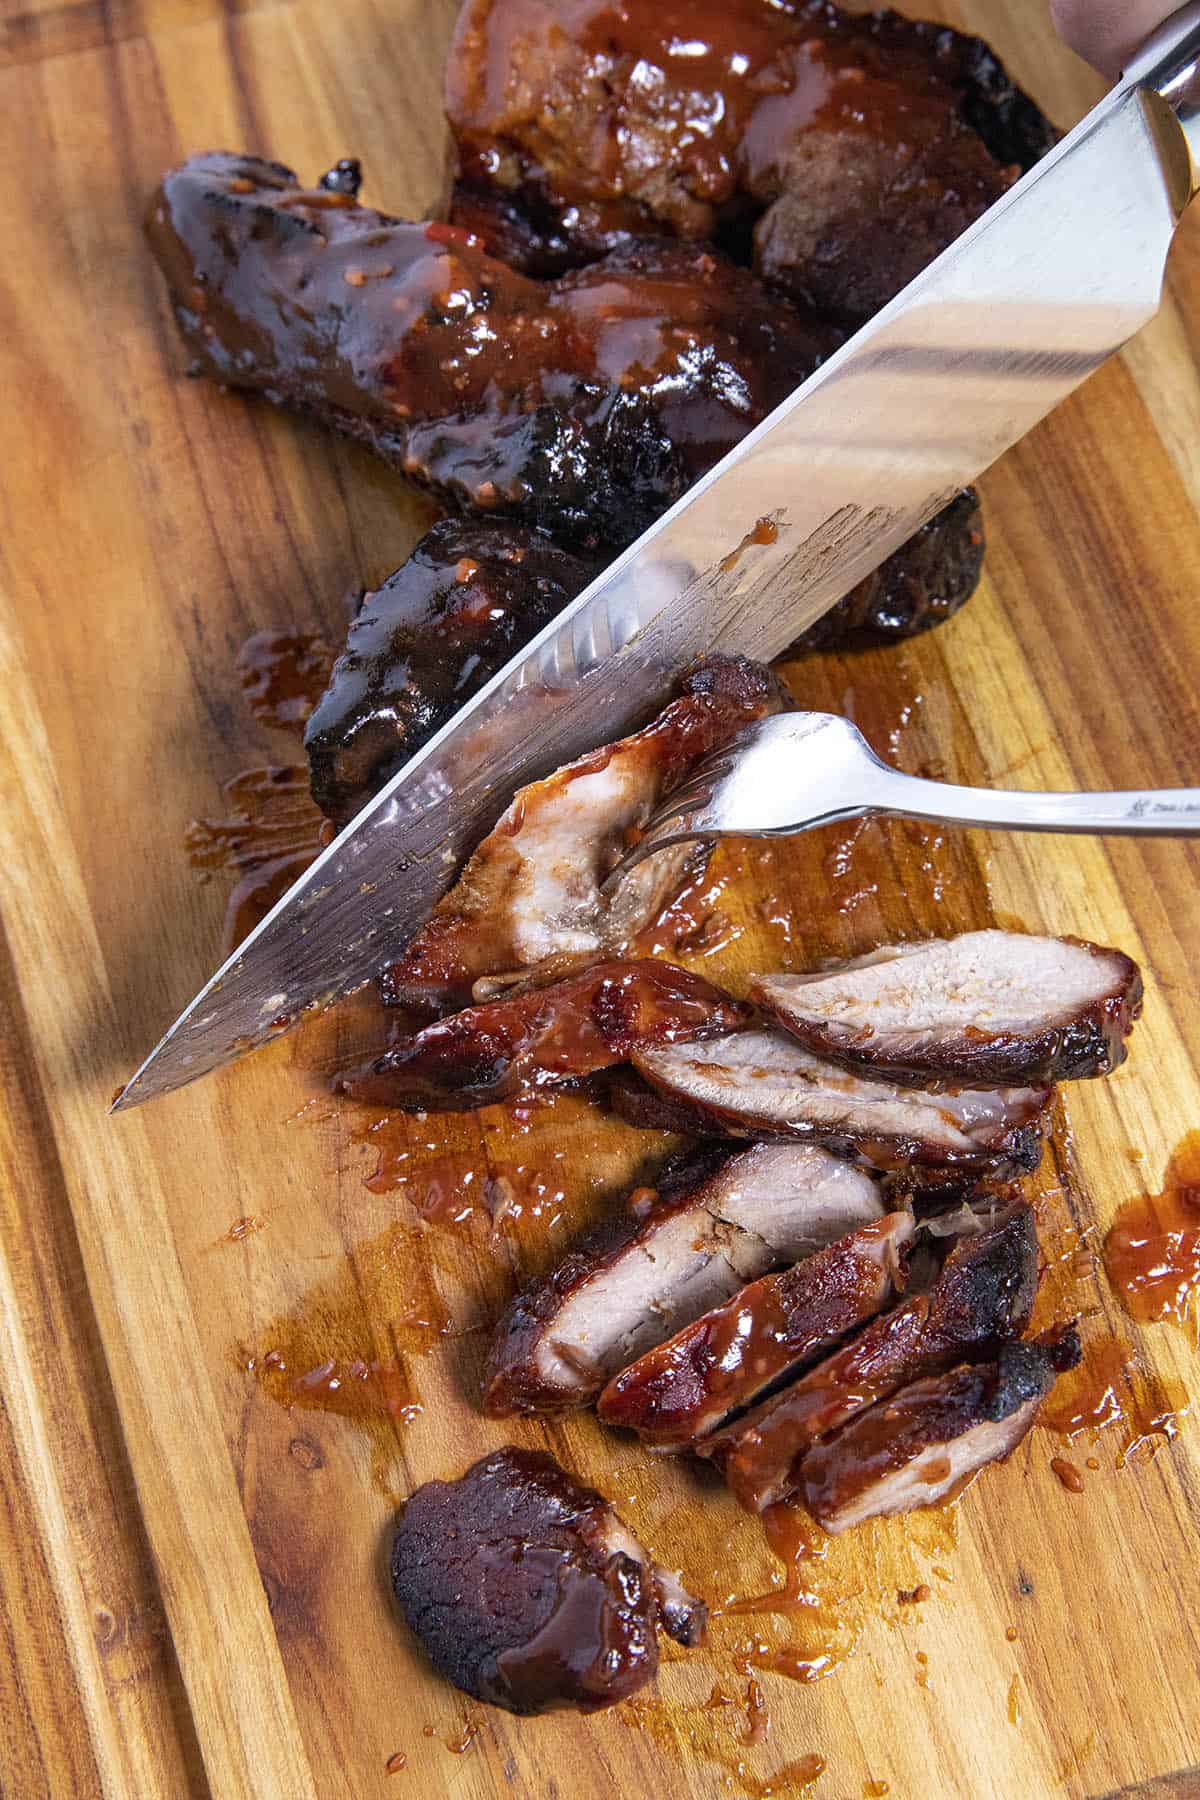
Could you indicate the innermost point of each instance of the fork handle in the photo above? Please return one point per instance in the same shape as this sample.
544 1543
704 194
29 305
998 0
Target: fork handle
1150 812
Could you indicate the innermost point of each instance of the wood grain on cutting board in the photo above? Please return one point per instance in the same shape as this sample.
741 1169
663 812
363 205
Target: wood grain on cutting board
191 1597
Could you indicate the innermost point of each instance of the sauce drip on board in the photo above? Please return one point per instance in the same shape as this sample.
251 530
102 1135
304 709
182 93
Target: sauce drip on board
766 531
1108 1391
575 1161
349 1346
1152 1252
271 831
268 837
832 1587
284 674
710 1731
1068 1475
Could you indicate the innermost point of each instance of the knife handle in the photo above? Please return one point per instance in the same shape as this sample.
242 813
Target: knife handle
1166 72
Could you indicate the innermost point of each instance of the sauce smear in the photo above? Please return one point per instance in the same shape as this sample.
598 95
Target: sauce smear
284 674
1152 1253
268 838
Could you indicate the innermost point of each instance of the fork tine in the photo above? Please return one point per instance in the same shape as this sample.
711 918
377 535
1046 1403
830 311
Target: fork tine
672 821
699 787
662 837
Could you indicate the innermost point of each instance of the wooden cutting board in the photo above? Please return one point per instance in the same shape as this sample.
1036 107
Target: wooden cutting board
191 1588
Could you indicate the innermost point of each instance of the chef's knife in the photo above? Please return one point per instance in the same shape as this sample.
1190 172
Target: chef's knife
1056 276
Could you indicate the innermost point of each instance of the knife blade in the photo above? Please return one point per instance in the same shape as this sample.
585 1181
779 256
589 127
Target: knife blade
1060 272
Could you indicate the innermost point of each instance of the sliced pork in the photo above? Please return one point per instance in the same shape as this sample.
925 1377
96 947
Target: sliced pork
987 1009
718 1223
545 1037
529 900
527 1591
924 1444
724 1360
765 1084
982 1296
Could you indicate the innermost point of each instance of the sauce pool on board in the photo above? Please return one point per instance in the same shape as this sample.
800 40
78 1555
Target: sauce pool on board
1152 1252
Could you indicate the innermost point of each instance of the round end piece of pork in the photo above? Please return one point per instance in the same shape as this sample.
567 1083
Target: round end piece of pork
527 1591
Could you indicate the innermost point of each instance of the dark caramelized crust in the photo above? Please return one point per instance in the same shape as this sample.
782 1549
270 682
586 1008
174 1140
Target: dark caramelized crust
925 1443
545 1036
527 1591
920 585
719 1221
983 1010
983 1295
529 900
518 233
584 406
856 147
470 595
724 1360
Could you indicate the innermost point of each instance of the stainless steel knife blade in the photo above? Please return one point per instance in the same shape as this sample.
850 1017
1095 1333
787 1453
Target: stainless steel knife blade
1056 276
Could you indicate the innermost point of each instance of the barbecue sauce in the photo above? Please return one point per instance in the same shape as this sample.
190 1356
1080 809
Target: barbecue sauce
284 674
587 1632
1068 1475
1152 1252
1095 1396
766 531
796 1543
733 89
584 406
269 836
553 1034
737 1350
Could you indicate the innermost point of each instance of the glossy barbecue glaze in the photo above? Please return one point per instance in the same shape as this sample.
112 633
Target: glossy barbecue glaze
925 1443
584 406
474 591
854 148
983 1295
723 1361
546 1036
469 596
